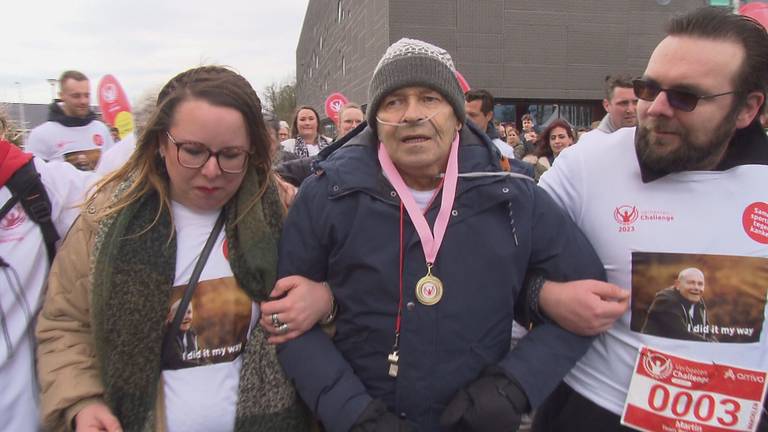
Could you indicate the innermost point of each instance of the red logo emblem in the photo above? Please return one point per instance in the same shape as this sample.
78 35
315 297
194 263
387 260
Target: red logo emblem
14 218
98 140
755 221
225 249
333 105
110 92
657 365
625 215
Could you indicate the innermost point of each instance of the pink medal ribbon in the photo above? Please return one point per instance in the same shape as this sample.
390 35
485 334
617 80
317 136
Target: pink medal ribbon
429 288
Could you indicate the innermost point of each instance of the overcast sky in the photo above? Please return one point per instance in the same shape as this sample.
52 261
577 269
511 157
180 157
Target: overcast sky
143 43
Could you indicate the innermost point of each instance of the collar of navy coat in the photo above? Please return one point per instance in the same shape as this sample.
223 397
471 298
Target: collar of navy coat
352 165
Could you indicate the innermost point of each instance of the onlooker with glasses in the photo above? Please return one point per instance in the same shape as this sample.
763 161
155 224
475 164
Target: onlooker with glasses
285 131
200 180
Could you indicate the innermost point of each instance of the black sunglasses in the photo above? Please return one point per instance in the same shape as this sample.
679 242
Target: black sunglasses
678 99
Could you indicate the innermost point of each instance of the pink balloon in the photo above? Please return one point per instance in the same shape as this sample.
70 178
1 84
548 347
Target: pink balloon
756 10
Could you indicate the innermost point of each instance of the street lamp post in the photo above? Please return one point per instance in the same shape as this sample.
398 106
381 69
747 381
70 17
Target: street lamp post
52 82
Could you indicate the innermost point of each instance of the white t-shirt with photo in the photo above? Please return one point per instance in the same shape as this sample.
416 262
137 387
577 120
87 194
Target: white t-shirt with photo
201 368
716 221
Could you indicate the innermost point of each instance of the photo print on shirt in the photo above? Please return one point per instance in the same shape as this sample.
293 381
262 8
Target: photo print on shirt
214 328
697 297
84 160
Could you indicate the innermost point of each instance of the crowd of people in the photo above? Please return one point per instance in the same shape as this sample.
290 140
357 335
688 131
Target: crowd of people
426 269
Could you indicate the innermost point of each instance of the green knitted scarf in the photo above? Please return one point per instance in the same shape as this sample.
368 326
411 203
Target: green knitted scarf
133 270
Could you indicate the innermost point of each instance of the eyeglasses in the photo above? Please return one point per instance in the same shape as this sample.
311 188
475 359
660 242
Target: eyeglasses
679 99
231 160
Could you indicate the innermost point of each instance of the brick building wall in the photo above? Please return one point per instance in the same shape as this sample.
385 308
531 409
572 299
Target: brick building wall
538 51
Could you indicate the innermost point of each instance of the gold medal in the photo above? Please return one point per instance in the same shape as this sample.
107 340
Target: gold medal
429 289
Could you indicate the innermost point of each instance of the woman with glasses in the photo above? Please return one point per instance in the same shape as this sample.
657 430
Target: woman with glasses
193 217
307 138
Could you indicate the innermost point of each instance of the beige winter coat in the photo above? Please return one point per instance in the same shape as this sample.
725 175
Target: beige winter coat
66 357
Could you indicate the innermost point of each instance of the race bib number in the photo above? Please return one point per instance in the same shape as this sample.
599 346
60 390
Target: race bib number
670 393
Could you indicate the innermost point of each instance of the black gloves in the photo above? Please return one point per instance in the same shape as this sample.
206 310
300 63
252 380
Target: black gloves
492 403
376 418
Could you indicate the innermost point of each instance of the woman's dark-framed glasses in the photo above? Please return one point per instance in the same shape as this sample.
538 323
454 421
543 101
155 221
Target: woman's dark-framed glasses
678 99
231 160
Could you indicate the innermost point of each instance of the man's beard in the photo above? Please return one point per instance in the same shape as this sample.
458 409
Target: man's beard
688 156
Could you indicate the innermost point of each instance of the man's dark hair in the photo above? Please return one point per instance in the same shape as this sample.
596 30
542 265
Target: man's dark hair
480 94
72 74
719 24
617 80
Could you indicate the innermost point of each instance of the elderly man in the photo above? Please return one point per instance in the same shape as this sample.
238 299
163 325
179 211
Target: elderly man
679 311
694 172
425 242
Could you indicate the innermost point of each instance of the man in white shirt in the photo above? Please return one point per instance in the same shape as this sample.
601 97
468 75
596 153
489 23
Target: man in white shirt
72 132
684 189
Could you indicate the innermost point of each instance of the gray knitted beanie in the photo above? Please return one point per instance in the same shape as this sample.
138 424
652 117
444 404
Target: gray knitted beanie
411 62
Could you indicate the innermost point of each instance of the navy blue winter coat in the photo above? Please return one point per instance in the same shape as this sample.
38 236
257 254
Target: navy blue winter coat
344 228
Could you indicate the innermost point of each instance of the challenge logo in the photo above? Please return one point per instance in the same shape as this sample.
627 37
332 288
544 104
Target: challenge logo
98 140
657 366
14 218
110 93
625 215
